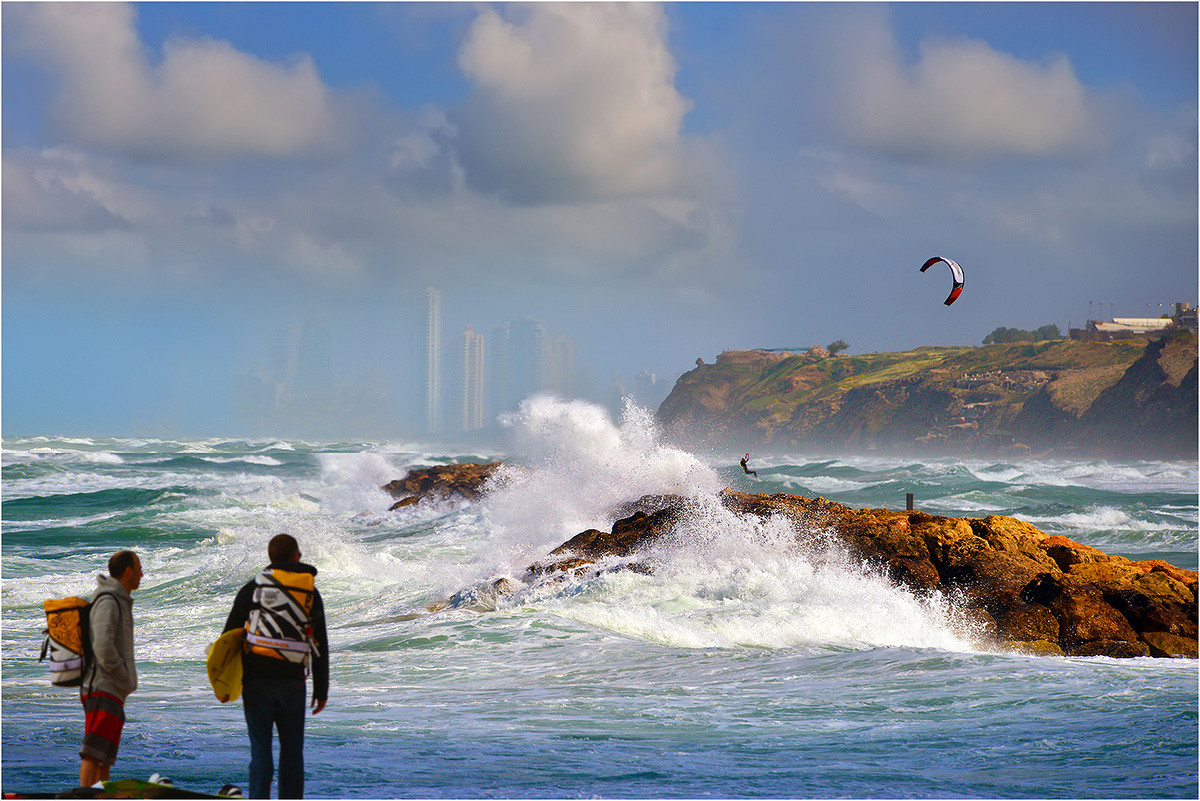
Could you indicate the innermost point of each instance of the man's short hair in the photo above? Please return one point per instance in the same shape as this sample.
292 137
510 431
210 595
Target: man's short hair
282 548
120 562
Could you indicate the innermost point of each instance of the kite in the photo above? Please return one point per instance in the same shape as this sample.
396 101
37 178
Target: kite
955 271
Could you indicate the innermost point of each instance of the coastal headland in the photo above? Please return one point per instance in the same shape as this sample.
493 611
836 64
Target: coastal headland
1132 397
1015 585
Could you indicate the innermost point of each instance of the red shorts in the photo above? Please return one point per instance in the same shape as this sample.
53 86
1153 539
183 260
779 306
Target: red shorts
103 719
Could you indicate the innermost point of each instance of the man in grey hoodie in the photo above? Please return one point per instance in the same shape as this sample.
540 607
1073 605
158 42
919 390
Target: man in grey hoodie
112 675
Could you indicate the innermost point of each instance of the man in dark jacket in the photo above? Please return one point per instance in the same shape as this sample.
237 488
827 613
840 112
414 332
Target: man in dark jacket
284 618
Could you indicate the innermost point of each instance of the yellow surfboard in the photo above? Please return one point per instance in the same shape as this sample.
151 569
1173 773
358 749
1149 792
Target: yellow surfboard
225 665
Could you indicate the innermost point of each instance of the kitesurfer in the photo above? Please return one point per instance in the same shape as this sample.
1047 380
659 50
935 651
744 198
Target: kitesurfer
747 470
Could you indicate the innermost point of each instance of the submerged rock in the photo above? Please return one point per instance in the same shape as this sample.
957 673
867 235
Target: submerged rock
1029 590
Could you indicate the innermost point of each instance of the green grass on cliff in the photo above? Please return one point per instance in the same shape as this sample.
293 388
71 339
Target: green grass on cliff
775 391
767 389
930 393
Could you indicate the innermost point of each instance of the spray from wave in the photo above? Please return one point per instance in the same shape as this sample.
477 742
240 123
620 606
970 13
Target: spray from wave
719 579
573 466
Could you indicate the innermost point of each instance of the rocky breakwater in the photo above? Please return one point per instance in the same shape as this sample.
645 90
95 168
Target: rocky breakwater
1024 589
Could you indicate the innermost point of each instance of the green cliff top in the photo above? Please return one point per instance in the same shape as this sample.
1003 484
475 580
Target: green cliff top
788 397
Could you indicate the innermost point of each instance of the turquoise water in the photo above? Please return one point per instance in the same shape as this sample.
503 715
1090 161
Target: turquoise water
745 667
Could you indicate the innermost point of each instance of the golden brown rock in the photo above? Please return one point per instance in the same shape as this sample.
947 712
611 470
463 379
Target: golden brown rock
1169 645
1028 590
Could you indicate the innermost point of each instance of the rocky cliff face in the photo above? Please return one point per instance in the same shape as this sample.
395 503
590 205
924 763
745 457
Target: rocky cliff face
1022 588
1153 404
1129 397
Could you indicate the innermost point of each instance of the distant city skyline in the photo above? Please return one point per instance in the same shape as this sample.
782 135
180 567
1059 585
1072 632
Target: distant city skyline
439 388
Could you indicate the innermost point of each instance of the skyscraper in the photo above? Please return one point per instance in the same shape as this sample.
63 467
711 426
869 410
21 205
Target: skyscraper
518 362
314 359
646 390
296 392
433 360
560 368
470 408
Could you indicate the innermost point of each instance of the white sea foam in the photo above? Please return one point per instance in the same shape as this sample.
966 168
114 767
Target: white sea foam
1102 518
59 455
1003 474
722 580
573 466
85 441
20 456
823 485
353 482
977 503
265 461
41 524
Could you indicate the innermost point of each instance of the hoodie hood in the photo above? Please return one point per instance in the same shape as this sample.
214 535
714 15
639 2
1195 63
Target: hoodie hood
110 584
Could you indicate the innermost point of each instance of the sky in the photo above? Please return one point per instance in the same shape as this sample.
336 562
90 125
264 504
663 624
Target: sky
656 182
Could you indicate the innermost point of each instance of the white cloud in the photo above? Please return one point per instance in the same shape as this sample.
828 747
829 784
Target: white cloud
1168 150
960 100
203 101
573 101
855 182
471 240
58 189
324 259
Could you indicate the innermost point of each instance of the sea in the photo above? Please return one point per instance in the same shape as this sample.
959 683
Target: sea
743 666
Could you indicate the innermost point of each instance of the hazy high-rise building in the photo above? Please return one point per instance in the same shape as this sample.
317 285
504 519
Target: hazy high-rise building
296 392
283 355
470 406
560 368
500 383
432 341
646 390
314 359
616 397
302 362
518 362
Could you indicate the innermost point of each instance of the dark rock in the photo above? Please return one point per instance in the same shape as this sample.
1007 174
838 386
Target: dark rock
442 481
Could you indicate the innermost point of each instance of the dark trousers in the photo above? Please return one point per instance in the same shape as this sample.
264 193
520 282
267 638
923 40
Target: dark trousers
278 704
